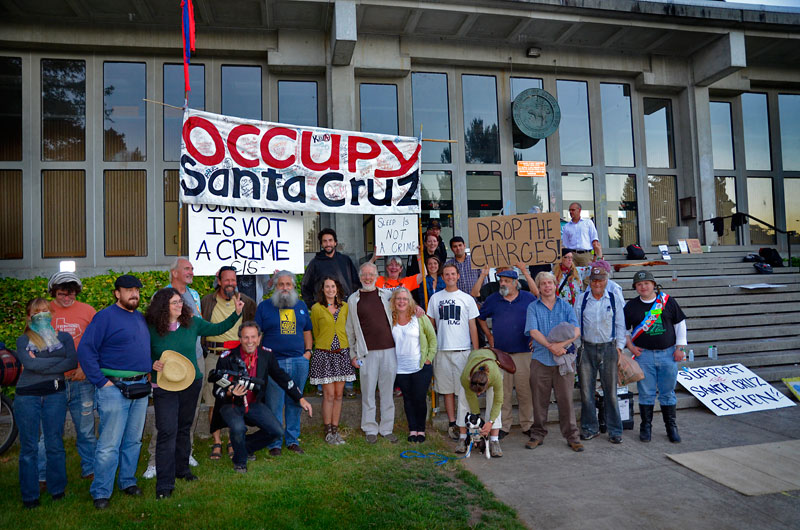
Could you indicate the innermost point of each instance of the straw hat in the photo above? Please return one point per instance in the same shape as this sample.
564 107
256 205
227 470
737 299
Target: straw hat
178 372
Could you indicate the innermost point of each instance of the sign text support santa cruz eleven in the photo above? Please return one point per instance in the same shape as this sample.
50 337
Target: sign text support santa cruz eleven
237 162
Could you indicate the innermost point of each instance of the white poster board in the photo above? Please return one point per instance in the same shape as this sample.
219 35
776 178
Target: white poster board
253 240
396 235
731 389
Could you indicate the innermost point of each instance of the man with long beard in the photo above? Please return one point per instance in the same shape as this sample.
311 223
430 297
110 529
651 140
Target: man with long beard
286 324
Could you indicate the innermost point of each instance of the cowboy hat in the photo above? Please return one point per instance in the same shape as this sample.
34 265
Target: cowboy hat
178 372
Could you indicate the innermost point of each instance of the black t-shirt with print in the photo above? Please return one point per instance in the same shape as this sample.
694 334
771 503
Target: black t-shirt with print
661 334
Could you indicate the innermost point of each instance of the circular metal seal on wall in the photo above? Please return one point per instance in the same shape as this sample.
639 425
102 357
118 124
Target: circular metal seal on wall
536 113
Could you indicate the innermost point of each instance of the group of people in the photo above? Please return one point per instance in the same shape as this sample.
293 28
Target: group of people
250 362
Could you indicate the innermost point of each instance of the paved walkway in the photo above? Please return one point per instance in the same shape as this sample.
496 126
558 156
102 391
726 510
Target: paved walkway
634 485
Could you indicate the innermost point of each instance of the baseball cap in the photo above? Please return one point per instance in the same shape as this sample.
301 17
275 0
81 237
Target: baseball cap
126 281
598 273
643 276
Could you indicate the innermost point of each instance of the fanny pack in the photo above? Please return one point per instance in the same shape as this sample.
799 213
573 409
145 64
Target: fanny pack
134 390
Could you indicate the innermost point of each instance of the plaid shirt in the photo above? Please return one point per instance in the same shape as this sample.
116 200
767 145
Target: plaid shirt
542 319
467 276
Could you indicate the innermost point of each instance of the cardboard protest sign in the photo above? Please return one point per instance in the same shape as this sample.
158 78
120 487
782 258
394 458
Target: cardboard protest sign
396 235
731 389
253 240
504 240
247 163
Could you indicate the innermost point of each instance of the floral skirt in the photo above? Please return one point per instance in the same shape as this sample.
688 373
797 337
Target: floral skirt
329 366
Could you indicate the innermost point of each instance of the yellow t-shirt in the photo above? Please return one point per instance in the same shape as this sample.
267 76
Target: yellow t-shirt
222 310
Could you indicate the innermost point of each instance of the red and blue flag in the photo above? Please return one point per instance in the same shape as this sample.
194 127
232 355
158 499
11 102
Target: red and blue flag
188 39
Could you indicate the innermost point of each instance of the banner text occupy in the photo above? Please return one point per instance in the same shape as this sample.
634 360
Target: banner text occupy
505 240
235 162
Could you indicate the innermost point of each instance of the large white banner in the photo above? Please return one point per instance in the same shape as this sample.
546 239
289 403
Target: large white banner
236 162
253 240
731 389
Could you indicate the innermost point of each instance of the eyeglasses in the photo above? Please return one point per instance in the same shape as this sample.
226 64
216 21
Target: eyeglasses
65 294
176 302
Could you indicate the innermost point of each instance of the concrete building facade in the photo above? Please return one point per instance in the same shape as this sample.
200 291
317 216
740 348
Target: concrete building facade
672 112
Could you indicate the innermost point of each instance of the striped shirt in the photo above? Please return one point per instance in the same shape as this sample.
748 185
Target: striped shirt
542 319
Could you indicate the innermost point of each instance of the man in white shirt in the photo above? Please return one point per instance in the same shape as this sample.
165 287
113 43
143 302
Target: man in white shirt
579 236
453 313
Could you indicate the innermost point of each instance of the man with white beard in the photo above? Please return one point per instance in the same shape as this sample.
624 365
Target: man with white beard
286 324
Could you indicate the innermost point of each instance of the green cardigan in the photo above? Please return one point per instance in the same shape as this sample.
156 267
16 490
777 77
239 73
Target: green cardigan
324 327
427 340
495 382
184 340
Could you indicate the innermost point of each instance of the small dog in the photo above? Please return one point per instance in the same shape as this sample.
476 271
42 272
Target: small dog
480 443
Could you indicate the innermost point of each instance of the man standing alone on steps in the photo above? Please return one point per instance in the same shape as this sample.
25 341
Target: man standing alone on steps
579 236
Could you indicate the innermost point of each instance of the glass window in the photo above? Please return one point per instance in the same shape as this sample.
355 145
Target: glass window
578 187
538 151
11 217
725 191
755 122
789 107
658 132
623 227
378 108
431 111
125 213
63 110
174 95
64 214
721 135
124 112
617 124
532 192
171 196
297 103
662 191
573 132
241 91
437 201
791 190
481 134
10 108
484 195
759 202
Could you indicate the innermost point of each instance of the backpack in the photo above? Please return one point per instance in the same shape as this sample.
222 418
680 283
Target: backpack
635 252
771 256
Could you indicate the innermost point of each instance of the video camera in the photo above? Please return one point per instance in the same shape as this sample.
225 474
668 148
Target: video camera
239 376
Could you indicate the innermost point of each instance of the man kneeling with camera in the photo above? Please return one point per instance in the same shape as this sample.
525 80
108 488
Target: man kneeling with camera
240 397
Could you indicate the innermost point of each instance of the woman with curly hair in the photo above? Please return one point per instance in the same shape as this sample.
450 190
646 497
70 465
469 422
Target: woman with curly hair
568 281
173 328
40 400
330 363
415 347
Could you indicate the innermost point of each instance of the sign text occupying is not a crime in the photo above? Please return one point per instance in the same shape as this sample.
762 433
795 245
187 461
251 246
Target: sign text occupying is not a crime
731 389
505 240
253 240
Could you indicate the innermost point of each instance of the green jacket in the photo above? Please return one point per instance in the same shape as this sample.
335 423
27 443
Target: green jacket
427 341
495 382
324 327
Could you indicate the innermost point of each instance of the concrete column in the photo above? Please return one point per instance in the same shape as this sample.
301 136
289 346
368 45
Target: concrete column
702 159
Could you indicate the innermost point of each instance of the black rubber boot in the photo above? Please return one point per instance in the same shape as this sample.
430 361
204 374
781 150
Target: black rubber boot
668 412
646 425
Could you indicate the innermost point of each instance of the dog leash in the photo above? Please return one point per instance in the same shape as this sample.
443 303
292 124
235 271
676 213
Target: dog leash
440 459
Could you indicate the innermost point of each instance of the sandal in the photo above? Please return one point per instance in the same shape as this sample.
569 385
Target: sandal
216 452
230 450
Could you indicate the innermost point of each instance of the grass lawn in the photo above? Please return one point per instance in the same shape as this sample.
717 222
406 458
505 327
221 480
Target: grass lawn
356 485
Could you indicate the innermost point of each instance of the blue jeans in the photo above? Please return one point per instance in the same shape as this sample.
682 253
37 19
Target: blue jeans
49 412
282 406
81 405
660 374
599 358
119 442
270 429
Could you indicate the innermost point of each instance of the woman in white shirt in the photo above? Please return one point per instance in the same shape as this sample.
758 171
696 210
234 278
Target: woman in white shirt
415 346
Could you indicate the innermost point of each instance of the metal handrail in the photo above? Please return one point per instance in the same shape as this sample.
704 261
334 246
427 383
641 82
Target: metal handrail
789 233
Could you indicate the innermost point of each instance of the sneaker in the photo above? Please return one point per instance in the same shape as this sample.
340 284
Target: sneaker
533 443
159 495
576 446
331 439
390 437
461 447
615 439
240 469
101 504
193 462
150 472
251 458
494 449
372 438
339 439
454 432
589 435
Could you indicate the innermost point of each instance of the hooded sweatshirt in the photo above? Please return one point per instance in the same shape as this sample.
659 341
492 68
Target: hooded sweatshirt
339 266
